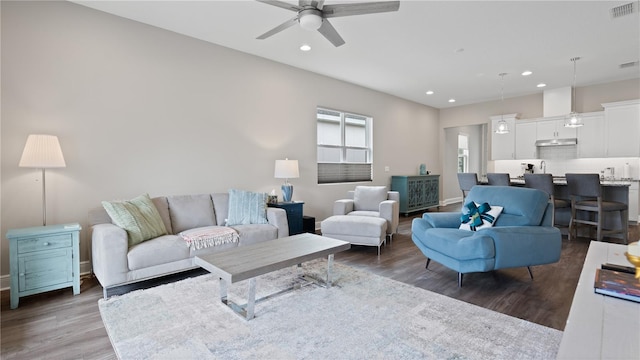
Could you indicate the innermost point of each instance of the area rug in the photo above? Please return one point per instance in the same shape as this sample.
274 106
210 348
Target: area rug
361 316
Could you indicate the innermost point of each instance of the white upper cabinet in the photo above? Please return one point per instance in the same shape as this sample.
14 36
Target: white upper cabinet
526 136
623 128
591 142
554 129
503 145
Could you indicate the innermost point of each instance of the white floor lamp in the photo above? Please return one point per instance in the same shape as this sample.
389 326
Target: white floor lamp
42 152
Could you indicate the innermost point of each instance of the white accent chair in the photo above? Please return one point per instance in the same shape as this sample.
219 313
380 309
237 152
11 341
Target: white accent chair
352 220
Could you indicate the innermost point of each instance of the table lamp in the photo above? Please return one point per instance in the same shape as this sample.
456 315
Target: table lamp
286 169
42 152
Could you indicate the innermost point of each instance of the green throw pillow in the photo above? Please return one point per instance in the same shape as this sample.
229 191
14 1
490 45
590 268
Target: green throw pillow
246 207
138 216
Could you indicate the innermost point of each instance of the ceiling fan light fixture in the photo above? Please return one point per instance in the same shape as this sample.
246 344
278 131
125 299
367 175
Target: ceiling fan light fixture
310 19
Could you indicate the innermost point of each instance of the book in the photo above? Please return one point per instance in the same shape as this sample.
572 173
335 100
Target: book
617 284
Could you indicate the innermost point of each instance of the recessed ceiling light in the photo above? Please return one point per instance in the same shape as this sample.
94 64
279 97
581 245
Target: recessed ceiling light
452 100
527 73
541 85
459 50
429 92
305 47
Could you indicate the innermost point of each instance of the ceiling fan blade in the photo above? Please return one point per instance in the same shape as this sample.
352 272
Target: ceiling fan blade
281 4
330 11
303 3
317 4
279 28
329 32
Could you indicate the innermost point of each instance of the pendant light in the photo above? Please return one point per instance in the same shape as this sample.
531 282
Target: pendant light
503 127
573 120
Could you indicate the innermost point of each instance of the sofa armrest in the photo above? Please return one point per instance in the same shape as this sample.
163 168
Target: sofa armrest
443 219
342 207
109 248
518 246
278 218
390 211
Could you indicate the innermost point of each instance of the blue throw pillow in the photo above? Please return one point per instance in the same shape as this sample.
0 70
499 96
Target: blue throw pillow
247 207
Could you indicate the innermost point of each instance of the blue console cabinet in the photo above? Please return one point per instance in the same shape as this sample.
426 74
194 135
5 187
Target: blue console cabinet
418 192
44 258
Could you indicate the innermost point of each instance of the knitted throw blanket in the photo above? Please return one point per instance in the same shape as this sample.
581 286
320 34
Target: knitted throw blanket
209 236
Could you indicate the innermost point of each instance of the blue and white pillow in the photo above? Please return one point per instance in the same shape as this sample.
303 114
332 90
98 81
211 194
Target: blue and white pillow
479 216
247 207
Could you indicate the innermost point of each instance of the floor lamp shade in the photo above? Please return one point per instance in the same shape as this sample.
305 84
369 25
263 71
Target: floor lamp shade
286 169
42 152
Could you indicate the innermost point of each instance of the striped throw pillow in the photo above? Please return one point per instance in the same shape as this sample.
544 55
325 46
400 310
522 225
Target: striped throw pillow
247 207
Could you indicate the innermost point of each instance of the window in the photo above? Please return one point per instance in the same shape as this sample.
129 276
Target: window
344 147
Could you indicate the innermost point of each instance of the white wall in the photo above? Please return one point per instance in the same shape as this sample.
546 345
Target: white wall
139 109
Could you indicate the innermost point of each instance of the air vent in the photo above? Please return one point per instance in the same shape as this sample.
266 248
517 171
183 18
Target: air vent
629 64
622 10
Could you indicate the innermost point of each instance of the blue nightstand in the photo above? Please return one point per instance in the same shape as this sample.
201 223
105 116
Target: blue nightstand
44 258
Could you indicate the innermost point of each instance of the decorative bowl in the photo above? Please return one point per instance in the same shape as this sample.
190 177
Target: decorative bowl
635 260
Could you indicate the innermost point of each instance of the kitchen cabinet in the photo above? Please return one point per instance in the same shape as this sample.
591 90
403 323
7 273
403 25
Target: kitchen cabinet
590 143
503 145
554 129
623 128
417 192
526 136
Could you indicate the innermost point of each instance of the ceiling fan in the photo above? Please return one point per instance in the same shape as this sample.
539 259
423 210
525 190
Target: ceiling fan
313 15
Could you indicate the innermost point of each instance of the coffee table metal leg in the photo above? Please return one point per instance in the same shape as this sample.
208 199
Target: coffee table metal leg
251 303
329 269
223 290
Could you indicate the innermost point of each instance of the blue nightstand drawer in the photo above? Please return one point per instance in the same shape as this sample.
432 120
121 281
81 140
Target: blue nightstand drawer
44 243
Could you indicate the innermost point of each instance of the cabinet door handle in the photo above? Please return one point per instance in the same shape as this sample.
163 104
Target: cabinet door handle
21 274
45 244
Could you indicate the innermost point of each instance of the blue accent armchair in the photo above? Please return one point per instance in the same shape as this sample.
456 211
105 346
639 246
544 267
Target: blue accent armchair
523 234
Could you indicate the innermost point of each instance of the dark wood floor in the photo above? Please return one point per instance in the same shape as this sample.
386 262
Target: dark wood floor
58 325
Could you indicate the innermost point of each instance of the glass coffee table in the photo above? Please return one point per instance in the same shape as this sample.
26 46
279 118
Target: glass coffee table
247 262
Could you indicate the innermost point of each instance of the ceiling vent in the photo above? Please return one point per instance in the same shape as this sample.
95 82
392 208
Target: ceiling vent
622 10
629 64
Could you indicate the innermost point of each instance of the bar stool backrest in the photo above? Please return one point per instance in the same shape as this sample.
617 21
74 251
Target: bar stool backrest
586 185
467 181
500 179
542 182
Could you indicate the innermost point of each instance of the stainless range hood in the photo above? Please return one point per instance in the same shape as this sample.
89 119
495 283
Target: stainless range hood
557 142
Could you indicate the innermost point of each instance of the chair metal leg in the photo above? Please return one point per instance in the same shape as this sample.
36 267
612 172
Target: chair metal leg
530 273
459 279
428 261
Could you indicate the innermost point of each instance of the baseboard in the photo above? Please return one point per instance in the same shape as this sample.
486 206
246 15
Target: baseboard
450 201
5 280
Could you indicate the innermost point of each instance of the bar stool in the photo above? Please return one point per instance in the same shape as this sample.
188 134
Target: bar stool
500 179
544 182
467 181
586 195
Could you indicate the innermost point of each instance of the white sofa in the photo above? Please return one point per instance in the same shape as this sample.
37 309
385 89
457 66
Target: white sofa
115 263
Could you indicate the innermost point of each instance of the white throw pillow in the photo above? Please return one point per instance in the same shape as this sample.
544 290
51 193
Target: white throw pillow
479 216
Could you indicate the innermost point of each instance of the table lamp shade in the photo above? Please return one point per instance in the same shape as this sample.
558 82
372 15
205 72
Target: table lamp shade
42 151
286 169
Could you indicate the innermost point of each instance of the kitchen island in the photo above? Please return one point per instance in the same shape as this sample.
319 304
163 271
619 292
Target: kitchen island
612 190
